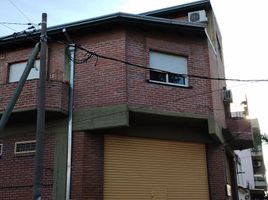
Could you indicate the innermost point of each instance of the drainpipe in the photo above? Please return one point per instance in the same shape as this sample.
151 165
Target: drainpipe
70 114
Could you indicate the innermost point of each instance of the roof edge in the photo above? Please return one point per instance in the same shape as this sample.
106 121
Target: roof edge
99 21
186 6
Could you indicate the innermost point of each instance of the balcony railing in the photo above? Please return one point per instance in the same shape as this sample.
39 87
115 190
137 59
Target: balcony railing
239 133
260 184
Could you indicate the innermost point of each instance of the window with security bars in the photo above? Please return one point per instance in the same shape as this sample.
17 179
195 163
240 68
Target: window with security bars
25 147
168 69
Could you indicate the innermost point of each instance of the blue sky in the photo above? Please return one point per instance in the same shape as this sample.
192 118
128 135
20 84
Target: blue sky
242 24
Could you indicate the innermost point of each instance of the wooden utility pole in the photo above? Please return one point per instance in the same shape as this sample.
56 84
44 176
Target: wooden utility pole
40 130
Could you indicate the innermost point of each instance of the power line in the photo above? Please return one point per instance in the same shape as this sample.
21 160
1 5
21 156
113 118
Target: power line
16 23
26 32
20 11
89 54
8 27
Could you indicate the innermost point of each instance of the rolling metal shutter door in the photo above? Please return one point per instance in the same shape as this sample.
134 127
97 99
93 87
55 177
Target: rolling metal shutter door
137 169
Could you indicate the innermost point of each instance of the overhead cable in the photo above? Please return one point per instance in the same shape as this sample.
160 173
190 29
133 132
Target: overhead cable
19 10
89 54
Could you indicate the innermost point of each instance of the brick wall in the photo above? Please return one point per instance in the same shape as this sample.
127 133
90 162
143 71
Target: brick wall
56 96
87 168
55 65
57 92
196 99
101 82
216 171
19 54
17 170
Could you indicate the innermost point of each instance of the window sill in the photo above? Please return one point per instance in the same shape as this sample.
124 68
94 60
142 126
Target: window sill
28 154
170 84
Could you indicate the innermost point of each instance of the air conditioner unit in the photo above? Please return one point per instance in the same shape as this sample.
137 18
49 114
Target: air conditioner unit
257 164
197 16
228 97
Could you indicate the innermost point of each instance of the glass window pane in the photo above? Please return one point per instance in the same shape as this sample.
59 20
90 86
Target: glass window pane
158 76
173 66
177 79
16 70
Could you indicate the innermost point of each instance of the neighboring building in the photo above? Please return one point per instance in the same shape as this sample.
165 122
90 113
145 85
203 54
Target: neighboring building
245 178
244 167
258 164
250 168
137 133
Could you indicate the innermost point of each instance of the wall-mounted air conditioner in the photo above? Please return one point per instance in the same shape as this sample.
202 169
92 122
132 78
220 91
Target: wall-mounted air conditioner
228 97
197 16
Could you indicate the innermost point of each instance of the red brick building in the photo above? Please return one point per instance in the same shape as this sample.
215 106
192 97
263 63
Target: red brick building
137 133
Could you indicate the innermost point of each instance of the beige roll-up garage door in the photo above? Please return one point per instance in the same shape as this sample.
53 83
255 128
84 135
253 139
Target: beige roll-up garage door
138 168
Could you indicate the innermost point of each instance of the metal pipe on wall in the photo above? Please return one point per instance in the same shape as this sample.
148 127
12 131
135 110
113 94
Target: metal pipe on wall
70 121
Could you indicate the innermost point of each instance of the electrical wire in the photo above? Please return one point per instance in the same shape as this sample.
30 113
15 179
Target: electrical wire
20 11
6 26
89 54
16 23
26 32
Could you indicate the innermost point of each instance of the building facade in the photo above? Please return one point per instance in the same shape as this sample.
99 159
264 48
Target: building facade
149 120
244 170
259 169
250 168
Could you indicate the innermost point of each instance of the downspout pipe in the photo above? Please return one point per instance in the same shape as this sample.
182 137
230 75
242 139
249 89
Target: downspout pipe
71 52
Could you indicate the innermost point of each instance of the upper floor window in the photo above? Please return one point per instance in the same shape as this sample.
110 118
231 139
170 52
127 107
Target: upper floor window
16 70
172 69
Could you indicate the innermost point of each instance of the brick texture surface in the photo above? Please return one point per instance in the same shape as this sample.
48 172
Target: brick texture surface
87 170
216 171
17 170
142 94
100 82
56 90
56 96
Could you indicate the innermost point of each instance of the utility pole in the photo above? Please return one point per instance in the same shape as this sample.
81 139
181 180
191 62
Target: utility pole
40 130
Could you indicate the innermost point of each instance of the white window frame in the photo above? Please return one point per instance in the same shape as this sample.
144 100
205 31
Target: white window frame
16 70
169 64
24 142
